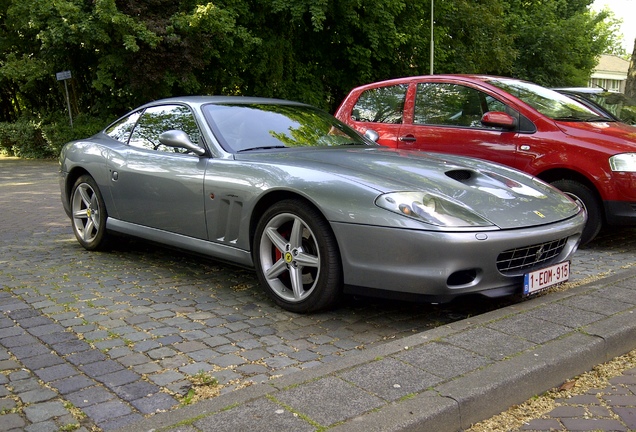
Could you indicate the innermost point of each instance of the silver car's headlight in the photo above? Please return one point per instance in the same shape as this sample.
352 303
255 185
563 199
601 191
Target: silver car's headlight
624 162
430 209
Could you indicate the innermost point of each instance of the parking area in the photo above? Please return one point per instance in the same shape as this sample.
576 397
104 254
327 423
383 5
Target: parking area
104 339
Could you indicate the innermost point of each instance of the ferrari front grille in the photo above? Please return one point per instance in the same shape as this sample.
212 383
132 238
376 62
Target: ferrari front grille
519 260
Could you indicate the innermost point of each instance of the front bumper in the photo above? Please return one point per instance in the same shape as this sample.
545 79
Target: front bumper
64 193
442 265
620 212
620 199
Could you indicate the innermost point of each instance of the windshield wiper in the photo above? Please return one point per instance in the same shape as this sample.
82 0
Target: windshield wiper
570 118
261 148
584 119
599 119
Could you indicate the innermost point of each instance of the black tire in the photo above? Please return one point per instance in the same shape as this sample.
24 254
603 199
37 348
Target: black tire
297 258
581 193
88 214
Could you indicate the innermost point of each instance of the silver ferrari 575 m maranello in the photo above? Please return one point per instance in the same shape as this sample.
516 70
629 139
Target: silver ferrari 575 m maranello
316 209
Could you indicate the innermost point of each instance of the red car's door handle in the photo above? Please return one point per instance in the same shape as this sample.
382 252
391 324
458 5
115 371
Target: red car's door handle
408 138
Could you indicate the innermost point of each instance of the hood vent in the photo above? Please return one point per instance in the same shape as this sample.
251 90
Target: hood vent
461 175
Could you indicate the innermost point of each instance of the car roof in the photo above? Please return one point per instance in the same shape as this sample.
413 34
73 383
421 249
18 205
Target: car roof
218 99
439 77
589 90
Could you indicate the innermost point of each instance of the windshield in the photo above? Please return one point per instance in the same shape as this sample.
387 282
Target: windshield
621 106
548 102
244 127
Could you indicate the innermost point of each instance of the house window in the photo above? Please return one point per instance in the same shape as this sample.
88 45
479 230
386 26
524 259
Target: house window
607 84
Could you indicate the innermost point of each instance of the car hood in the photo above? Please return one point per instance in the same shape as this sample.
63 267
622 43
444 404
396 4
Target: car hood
621 136
505 197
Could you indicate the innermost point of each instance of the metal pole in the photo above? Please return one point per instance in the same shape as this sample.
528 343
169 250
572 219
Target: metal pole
68 103
432 44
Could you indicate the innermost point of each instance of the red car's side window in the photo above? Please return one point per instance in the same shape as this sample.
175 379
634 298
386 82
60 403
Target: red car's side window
444 104
447 104
381 105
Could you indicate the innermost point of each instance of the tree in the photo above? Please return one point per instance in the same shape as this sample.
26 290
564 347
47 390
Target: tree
557 41
317 51
125 52
630 86
472 37
609 32
120 54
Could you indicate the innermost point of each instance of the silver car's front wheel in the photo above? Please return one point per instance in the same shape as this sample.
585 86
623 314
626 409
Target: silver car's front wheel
88 214
296 257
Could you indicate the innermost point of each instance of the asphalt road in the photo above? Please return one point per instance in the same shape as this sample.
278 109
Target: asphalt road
104 339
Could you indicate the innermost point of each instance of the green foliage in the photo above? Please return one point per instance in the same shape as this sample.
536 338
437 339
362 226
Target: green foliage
475 39
57 130
122 54
23 138
558 42
32 138
608 33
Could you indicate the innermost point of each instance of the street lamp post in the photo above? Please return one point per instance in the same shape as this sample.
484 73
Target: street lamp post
432 44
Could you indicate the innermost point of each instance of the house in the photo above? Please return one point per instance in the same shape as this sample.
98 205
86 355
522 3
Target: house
610 73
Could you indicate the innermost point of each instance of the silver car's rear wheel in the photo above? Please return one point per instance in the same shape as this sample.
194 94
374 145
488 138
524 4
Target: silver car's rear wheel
296 257
88 214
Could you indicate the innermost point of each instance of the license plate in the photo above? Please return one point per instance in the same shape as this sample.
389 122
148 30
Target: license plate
539 280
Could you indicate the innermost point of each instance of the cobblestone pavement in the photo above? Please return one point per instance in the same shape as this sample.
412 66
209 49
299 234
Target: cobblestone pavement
101 340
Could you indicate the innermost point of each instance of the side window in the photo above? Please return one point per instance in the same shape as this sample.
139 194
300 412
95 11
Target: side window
120 130
381 105
156 120
453 105
496 105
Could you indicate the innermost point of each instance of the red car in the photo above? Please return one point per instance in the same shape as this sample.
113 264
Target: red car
517 123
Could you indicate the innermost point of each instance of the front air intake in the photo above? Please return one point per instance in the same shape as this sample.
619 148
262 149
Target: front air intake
523 259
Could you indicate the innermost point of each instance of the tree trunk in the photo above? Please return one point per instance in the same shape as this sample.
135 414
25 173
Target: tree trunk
630 85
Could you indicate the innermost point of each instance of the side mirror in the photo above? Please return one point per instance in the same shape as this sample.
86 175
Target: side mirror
372 135
180 139
499 119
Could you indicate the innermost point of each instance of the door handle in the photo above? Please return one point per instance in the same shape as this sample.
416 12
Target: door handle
408 138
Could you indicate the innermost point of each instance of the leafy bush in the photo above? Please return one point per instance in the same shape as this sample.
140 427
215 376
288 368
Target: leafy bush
24 139
32 138
58 132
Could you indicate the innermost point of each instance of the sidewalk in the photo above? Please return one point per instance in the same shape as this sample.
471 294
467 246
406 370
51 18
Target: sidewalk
443 379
